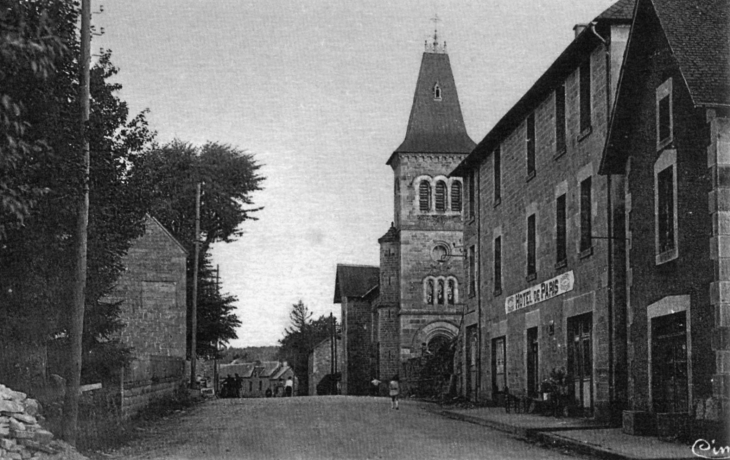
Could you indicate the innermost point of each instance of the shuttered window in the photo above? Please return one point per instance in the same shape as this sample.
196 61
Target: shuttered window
440 196
586 214
456 196
424 196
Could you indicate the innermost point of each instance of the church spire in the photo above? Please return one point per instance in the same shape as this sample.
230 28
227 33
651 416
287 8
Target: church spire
436 124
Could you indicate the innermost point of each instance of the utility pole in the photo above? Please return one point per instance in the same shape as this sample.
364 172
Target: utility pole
76 313
332 354
194 309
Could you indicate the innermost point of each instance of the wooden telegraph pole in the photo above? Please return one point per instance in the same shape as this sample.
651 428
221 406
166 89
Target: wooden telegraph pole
76 327
194 309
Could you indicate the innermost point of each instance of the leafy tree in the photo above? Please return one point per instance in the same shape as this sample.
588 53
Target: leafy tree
44 180
34 41
300 339
217 321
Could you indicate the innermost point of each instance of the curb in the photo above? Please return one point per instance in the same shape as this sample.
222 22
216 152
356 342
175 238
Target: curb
548 437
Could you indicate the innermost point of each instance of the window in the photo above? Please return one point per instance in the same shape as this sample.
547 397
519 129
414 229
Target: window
497 175
664 116
498 265
586 215
665 205
437 92
451 292
472 270
531 247
471 197
560 119
429 291
261 385
424 196
585 96
561 239
440 292
456 196
531 145
440 196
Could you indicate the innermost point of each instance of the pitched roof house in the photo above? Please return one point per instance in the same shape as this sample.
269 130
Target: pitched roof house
668 152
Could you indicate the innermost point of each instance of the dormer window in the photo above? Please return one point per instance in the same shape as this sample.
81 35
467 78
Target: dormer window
436 92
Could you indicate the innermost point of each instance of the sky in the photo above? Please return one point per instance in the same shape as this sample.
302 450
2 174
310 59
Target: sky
319 91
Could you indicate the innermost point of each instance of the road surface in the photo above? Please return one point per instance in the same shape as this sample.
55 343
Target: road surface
324 427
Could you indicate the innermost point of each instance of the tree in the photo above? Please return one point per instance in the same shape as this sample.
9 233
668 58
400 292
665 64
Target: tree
217 321
300 339
44 180
34 40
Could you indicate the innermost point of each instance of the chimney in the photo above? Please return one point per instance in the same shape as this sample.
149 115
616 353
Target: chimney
578 28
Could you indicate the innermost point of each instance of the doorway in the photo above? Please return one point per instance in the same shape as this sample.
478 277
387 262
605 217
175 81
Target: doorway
532 363
580 361
471 362
499 374
669 379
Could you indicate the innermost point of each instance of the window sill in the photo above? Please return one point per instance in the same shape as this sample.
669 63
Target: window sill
585 253
497 292
585 133
531 276
531 175
560 153
561 264
497 201
667 256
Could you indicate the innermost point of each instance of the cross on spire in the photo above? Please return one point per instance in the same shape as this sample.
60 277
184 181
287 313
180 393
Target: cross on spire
435 47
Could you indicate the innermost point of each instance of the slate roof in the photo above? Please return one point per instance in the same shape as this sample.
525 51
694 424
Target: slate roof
697 32
621 10
393 234
244 370
569 59
355 280
268 368
281 372
435 126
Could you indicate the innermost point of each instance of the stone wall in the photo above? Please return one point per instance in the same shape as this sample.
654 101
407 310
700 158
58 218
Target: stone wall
320 363
557 172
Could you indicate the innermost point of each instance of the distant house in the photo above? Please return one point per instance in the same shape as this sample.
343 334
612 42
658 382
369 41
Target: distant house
668 151
259 376
152 291
321 380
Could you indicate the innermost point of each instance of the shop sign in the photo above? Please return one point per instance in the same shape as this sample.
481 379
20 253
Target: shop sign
540 292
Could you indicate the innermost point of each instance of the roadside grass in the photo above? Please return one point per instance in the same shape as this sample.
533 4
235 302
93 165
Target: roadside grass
101 427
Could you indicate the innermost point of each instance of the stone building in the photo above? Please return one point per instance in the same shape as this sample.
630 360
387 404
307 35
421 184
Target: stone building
322 374
259 376
668 154
152 291
415 299
536 238
356 287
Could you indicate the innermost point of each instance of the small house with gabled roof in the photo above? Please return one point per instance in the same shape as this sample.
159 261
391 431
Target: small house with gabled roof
668 150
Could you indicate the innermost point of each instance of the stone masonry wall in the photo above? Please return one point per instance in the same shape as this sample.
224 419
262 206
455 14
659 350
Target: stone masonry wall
557 173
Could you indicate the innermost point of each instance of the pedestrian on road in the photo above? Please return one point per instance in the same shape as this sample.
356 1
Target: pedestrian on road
394 390
289 386
374 384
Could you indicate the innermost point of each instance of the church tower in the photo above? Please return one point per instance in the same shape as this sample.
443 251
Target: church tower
421 262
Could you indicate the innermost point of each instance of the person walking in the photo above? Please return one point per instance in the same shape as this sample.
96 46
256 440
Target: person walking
394 391
289 388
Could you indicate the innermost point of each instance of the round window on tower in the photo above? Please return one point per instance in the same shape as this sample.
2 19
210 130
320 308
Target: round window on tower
440 253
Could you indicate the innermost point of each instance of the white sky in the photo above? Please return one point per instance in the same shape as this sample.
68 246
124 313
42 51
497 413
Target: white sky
320 92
